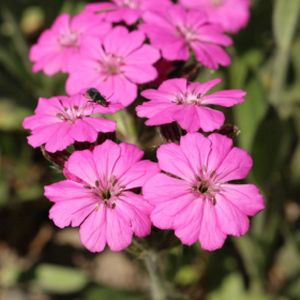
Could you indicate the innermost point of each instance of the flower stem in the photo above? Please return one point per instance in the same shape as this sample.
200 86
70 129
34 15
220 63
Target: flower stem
157 282
126 126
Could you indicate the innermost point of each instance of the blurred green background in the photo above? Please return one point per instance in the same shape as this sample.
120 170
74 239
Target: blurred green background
37 261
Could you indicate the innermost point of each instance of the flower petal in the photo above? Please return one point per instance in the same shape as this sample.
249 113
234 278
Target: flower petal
232 220
211 237
244 196
171 159
93 230
118 231
82 165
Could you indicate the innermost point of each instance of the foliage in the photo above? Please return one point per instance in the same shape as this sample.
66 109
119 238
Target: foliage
35 258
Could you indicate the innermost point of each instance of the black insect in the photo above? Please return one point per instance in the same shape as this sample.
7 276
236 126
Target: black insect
95 96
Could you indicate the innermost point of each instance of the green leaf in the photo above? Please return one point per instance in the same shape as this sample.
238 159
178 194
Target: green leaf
60 280
100 293
252 257
10 275
233 288
11 115
238 72
271 147
285 19
266 147
249 114
187 275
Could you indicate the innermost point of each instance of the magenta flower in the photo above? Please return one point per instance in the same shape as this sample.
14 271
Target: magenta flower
232 15
102 201
114 67
187 103
128 11
60 121
177 31
57 46
195 197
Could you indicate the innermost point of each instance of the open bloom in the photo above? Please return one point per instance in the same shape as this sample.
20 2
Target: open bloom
232 15
187 103
128 11
57 46
114 67
195 197
60 121
178 31
102 201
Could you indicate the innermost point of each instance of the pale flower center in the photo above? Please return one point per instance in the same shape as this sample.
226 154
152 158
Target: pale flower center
133 4
112 65
72 113
187 33
68 40
188 98
217 2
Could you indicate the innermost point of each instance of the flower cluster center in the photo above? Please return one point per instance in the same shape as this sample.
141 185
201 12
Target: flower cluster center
69 40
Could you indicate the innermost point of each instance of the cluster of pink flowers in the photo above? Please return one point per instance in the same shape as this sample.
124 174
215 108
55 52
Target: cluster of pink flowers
114 53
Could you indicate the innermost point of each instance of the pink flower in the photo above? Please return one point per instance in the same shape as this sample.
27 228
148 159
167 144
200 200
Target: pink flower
128 11
102 201
177 31
187 103
232 15
195 197
57 46
114 67
60 121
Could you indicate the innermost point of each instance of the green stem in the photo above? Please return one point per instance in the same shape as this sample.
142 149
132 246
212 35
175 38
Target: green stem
128 127
17 37
279 76
157 282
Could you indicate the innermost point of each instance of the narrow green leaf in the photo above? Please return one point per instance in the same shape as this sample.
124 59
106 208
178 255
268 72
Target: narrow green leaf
60 280
249 114
285 19
271 147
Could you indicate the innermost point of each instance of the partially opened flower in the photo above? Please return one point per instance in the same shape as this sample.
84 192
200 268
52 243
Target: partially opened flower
178 32
188 104
102 201
114 67
128 11
60 121
232 15
195 195
57 46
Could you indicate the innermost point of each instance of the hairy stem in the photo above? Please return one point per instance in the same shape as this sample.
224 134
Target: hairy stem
157 282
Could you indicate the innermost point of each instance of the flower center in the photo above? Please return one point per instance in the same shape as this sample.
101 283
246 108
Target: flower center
188 98
186 32
72 113
106 195
107 192
203 187
206 188
217 3
68 40
133 4
112 65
